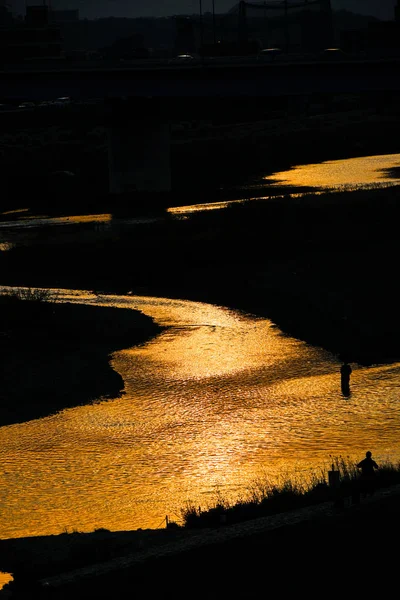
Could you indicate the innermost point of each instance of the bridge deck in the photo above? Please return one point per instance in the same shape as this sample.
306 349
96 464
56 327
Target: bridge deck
217 80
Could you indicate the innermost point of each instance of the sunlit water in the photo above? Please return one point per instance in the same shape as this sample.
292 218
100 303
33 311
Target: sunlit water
217 400
349 174
4 579
213 403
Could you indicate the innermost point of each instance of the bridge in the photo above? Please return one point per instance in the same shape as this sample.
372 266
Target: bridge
249 77
139 138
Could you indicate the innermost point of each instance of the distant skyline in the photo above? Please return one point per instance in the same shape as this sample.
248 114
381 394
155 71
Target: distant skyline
91 9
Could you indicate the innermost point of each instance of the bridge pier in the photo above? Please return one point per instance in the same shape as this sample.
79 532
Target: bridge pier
139 152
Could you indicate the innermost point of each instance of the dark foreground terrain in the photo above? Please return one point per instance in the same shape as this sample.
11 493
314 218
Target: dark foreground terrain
314 551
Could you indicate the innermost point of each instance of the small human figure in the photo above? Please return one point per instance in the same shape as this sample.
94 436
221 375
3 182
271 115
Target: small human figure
368 479
345 372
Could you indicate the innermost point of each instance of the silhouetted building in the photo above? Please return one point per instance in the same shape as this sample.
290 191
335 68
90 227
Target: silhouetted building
37 16
31 40
6 18
29 43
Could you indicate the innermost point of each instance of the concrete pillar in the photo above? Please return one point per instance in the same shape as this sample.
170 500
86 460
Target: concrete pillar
139 155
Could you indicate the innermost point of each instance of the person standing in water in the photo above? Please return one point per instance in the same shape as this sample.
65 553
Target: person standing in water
345 372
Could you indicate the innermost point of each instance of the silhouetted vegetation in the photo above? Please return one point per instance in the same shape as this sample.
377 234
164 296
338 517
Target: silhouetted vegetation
265 499
28 294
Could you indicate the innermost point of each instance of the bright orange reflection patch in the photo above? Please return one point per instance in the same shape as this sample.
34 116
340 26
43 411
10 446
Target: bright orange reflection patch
362 171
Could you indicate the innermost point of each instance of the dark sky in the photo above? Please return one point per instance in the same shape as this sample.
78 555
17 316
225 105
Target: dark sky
383 9
132 8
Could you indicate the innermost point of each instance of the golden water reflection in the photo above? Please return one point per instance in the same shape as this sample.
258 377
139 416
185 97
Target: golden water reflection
202 207
219 399
5 578
348 173
6 246
40 220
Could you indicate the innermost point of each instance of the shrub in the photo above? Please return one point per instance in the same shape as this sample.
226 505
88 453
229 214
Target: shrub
265 499
31 295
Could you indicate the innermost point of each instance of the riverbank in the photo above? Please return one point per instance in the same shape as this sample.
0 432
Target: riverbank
67 169
322 267
316 545
55 356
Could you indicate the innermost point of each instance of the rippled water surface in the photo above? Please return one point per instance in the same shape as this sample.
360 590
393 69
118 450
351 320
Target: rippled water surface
347 175
217 400
351 173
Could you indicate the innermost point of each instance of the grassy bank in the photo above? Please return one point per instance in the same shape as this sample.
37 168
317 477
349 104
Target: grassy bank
220 554
55 356
264 499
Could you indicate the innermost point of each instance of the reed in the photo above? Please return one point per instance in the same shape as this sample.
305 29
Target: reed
264 499
31 294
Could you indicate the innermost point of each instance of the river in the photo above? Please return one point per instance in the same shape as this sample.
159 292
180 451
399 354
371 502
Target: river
319 178
216 403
